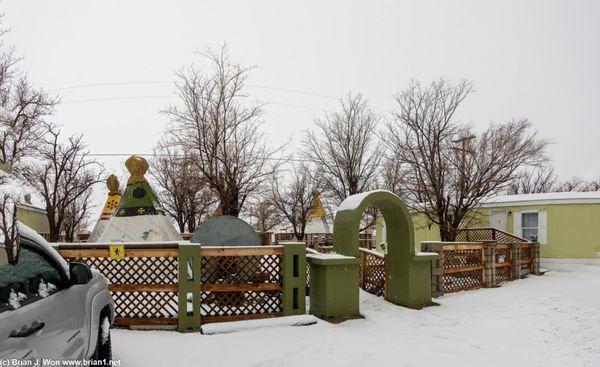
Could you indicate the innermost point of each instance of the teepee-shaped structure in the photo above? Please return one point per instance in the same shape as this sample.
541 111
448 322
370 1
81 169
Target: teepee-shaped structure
110 206
140 216
317 221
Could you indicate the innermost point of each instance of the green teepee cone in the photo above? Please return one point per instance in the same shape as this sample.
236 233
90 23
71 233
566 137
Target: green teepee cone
139 198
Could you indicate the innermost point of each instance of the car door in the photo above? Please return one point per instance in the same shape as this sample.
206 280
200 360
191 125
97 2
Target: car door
12 345
51 319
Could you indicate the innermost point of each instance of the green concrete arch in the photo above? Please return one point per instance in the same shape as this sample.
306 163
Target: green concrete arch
408 271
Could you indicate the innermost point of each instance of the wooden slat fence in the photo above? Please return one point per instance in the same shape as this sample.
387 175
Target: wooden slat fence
526 259
503 262
373 270
463 266
238 283
487 234
241 283
144 285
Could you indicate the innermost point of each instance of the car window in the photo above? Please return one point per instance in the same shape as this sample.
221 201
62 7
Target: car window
33 277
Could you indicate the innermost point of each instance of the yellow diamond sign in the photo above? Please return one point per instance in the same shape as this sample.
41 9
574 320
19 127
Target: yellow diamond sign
117 252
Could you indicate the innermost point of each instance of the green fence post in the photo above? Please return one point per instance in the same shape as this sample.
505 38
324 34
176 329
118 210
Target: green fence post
189 285
293 274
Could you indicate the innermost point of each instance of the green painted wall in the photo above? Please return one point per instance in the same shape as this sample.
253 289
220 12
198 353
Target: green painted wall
573 230
36 220
423 231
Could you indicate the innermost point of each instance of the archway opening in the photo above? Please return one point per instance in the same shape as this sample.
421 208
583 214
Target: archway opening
408 276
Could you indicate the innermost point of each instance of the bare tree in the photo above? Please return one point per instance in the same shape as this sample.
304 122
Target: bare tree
592 185
185 194
344 146
447 169
76 215
62 174
8 227
574 184
265 215
578 184
538 180
294 199
23 109
221 130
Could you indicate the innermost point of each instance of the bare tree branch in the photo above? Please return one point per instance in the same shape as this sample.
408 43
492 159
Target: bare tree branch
61 174
222 131
442 179
344 146
294 200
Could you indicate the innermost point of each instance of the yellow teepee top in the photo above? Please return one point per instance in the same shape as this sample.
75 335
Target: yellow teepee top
317 211
137 166
113 185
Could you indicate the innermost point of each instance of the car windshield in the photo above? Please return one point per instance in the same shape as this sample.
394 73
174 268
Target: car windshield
25 276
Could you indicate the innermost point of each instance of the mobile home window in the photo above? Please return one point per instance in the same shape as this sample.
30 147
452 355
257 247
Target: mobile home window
529 223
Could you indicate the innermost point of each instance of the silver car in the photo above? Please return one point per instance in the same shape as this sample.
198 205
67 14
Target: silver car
51 309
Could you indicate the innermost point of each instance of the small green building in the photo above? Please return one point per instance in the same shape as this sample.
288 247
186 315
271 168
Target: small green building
28 213
566 224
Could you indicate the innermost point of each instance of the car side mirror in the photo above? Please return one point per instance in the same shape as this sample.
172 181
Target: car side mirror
80 273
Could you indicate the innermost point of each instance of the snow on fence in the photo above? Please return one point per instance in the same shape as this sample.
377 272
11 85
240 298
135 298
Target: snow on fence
236 283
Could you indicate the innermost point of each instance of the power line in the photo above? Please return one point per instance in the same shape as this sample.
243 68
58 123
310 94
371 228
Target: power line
125 98
146 82
181 155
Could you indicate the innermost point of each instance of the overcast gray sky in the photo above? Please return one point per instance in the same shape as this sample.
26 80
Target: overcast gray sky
533 59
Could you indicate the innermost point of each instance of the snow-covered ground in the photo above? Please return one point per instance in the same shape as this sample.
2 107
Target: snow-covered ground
552 320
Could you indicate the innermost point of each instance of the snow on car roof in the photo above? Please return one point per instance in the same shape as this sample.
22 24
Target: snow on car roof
592 197
39 242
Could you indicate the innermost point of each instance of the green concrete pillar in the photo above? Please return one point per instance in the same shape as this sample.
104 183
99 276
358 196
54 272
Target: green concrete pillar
293 273
189 285
334 286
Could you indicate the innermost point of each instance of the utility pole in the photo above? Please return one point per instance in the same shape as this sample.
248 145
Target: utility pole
463 155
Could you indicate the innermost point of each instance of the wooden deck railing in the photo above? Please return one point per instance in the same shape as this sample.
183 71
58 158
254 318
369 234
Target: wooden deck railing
373 270
472 265
487 234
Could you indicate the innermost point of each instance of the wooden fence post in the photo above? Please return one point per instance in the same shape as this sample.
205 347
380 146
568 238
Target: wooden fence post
489 264
293 273
189 285
363 269
516 260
